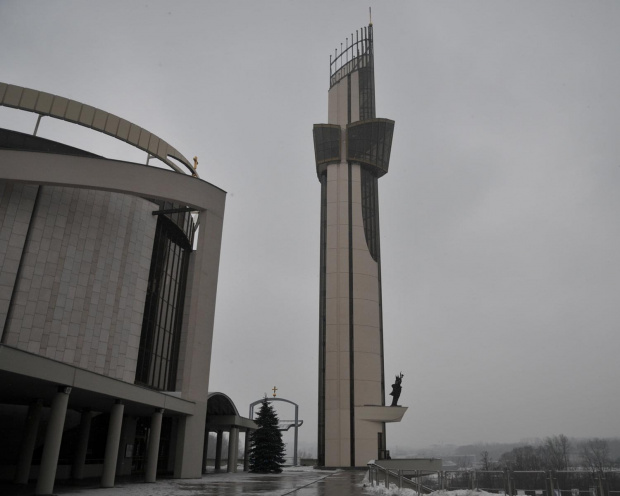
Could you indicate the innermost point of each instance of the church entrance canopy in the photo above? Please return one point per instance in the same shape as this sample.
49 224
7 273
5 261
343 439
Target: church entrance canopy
223 416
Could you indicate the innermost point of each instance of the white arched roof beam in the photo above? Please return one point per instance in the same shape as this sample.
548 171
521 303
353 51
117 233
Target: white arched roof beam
111 175
75 112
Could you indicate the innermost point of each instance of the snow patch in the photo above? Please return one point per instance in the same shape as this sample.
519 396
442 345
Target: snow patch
393 490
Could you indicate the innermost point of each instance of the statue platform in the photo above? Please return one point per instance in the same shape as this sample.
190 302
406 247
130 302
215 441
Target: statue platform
379 413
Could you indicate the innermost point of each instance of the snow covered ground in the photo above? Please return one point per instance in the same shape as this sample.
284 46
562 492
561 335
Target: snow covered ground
393 490
294 481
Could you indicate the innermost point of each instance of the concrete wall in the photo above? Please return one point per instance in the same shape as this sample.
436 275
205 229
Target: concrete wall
16 203
84 273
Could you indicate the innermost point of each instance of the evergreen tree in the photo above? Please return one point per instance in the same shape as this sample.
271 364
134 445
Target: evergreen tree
266 446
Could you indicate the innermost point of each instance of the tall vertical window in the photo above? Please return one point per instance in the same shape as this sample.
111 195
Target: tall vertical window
370 212
163 311
367 93
322 319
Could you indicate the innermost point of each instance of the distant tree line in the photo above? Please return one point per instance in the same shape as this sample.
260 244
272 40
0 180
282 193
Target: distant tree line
553 453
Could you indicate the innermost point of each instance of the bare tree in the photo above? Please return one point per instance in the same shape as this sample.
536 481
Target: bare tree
486 463
565 448
555 452
595 454
522 458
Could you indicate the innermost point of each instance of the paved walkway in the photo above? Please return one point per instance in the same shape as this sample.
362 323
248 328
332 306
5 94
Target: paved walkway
293 482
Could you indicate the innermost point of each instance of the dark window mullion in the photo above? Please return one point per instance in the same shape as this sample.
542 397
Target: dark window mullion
174 310
171 323
146 338
179 320
163 303
169 309
158 351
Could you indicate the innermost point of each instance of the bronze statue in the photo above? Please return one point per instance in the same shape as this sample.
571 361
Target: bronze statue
396 389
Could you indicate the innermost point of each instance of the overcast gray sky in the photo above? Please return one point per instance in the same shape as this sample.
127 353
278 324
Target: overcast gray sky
500 237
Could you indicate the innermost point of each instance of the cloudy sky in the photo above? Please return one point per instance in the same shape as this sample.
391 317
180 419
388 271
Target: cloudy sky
499 216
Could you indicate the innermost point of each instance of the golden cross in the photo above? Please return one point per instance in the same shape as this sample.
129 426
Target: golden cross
274 389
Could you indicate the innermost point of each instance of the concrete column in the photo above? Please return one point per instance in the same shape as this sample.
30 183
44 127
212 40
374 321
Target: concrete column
53 437
218 450
205 451
79 461
128 436
111 447
233 449
246 452
28 442
189 443
153 447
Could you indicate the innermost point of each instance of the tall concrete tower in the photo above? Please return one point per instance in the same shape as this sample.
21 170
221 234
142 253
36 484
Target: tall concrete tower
352 151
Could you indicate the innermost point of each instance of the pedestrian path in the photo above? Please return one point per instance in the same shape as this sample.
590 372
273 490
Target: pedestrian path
294 481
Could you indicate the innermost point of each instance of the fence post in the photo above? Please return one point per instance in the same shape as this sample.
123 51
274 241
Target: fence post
601 484
417 473
400 479
387 479
550 483
507 485
370 475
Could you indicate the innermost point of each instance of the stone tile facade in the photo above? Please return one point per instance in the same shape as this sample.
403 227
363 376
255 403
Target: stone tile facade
16 202
84 273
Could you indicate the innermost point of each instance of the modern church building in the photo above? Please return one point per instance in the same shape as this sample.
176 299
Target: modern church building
352 152
108 278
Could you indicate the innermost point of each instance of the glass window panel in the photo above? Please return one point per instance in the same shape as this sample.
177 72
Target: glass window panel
369 144
158 352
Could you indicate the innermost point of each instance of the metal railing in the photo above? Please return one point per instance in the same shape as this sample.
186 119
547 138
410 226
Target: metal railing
410 479
506 482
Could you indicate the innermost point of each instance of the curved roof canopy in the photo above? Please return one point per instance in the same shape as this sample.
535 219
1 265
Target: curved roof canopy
220 404
75 112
